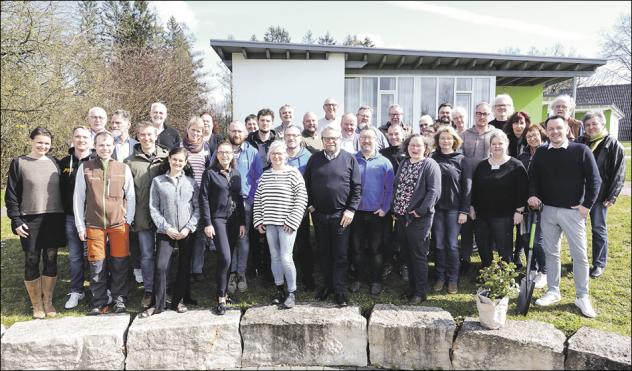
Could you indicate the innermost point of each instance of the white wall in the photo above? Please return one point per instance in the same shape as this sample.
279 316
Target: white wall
271 83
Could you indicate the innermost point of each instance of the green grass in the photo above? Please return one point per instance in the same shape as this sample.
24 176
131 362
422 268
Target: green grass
610 293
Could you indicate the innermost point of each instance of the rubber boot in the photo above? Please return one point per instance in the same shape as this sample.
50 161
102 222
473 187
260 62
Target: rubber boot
48 287
34 289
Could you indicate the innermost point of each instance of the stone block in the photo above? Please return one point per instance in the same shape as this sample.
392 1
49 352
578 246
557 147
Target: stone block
592 349
197 339
68 343
525 345
410 337
306 335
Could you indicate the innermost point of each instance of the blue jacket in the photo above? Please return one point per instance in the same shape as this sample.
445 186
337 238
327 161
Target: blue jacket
250 169
377 182
300 161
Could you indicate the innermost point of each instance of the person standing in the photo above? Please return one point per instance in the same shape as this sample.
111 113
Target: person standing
330 106
610 159
564 105
311 139
167 136
211 133
503 108
333 183
564 180
34 205
119 127
104 205
516 129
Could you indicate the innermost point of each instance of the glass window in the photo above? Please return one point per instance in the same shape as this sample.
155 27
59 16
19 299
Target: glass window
369 94
405 97
463 84
386 100
387 83
481 90
352 94
464 100
446 91
428 96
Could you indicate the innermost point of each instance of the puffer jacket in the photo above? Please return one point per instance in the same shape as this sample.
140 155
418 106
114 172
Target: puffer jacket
610 159
173 203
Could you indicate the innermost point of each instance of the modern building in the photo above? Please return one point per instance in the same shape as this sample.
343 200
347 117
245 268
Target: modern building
303 75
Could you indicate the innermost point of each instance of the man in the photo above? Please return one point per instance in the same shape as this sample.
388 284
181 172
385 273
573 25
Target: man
349 137
311 138
119 126
364 115
104 206
251 123
333 186
503 109
250 167
80 152
330 106
97 118
396 116
298 156
262 138
610 159
286 114
145 164
459 118
563 105
564 181
444 115
426 126
377 175
475 148
167 136
211 138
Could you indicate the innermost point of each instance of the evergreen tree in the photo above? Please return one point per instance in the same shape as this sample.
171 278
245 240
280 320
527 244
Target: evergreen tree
309 38
276 34
327 39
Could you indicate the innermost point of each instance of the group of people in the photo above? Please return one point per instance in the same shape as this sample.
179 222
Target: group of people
378 196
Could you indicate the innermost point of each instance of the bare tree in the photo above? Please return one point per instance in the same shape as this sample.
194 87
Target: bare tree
616 47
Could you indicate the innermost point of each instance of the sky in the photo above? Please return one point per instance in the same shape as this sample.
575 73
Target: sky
473 26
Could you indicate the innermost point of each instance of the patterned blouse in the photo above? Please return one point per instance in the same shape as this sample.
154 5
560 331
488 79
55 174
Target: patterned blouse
405 186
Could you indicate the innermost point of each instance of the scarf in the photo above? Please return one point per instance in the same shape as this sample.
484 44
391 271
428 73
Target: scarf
192 147
594 141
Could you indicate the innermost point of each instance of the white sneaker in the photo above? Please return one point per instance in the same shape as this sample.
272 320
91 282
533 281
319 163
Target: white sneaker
584 305
548 299
73 300
540 280
138 275
242 285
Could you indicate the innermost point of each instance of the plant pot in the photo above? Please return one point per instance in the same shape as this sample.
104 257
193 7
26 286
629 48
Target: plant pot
492 314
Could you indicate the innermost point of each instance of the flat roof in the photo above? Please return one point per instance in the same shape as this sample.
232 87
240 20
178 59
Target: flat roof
508 69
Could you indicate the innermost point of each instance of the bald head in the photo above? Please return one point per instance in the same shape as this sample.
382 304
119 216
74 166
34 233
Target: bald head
310 122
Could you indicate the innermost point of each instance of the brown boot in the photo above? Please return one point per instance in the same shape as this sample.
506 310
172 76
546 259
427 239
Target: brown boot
34 289
48 287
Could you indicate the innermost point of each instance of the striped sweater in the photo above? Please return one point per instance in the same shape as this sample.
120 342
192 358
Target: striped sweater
280 198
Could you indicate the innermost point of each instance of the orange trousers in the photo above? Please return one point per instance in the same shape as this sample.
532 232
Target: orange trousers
97 238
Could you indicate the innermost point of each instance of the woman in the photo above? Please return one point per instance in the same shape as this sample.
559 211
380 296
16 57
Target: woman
280 202
33 201
452 208
535 135
251 123
173 205
417 188
516 129
499 193
222 212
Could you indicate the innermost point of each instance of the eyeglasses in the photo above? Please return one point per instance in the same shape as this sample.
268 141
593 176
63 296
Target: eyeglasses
224 153
327 139
395 114
482 114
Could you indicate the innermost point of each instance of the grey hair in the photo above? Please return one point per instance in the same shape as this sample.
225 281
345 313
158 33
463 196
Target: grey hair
460 110
276 145
595 115
125 115
497 133
563 97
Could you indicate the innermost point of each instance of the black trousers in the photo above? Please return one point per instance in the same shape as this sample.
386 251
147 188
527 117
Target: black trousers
414 239
390 245
333 243
366 233
226 237
303 251
46 234
164 253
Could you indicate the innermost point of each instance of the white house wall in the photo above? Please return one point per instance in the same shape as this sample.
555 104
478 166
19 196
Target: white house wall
271 83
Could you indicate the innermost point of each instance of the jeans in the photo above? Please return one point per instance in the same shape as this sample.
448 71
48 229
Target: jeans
240 254
498 231
598 215
333 245
164 253
225 239
366 233
281 245
445 229
414 239
389 239
556 220
147 246
76 255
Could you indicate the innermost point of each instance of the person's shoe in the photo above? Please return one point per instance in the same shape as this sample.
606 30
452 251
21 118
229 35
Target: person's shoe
596 272
540 280
388 269
323 294
279 297
403 271
376 288
355 286
549 298
181 308
99 310
341 300
232 283
147 312
585 307
416 300
119 305
73 300
138 275
48 289
438 286
453 288
290 300
146 302
242 285
221 309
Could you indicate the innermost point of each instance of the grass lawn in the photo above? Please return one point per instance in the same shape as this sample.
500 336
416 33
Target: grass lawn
610 293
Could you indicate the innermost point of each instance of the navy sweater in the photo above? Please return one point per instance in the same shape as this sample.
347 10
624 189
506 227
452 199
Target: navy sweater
456 181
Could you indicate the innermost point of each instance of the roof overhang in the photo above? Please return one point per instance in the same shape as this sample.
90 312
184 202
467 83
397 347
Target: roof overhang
508 69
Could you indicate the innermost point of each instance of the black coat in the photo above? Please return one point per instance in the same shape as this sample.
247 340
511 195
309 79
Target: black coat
169 138
610 159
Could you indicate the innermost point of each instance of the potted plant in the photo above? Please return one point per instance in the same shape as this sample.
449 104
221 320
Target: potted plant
492 297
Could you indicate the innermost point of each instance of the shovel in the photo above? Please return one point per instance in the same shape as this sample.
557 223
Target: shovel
527 284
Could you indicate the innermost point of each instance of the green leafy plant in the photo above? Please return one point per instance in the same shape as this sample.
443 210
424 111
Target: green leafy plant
498 280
